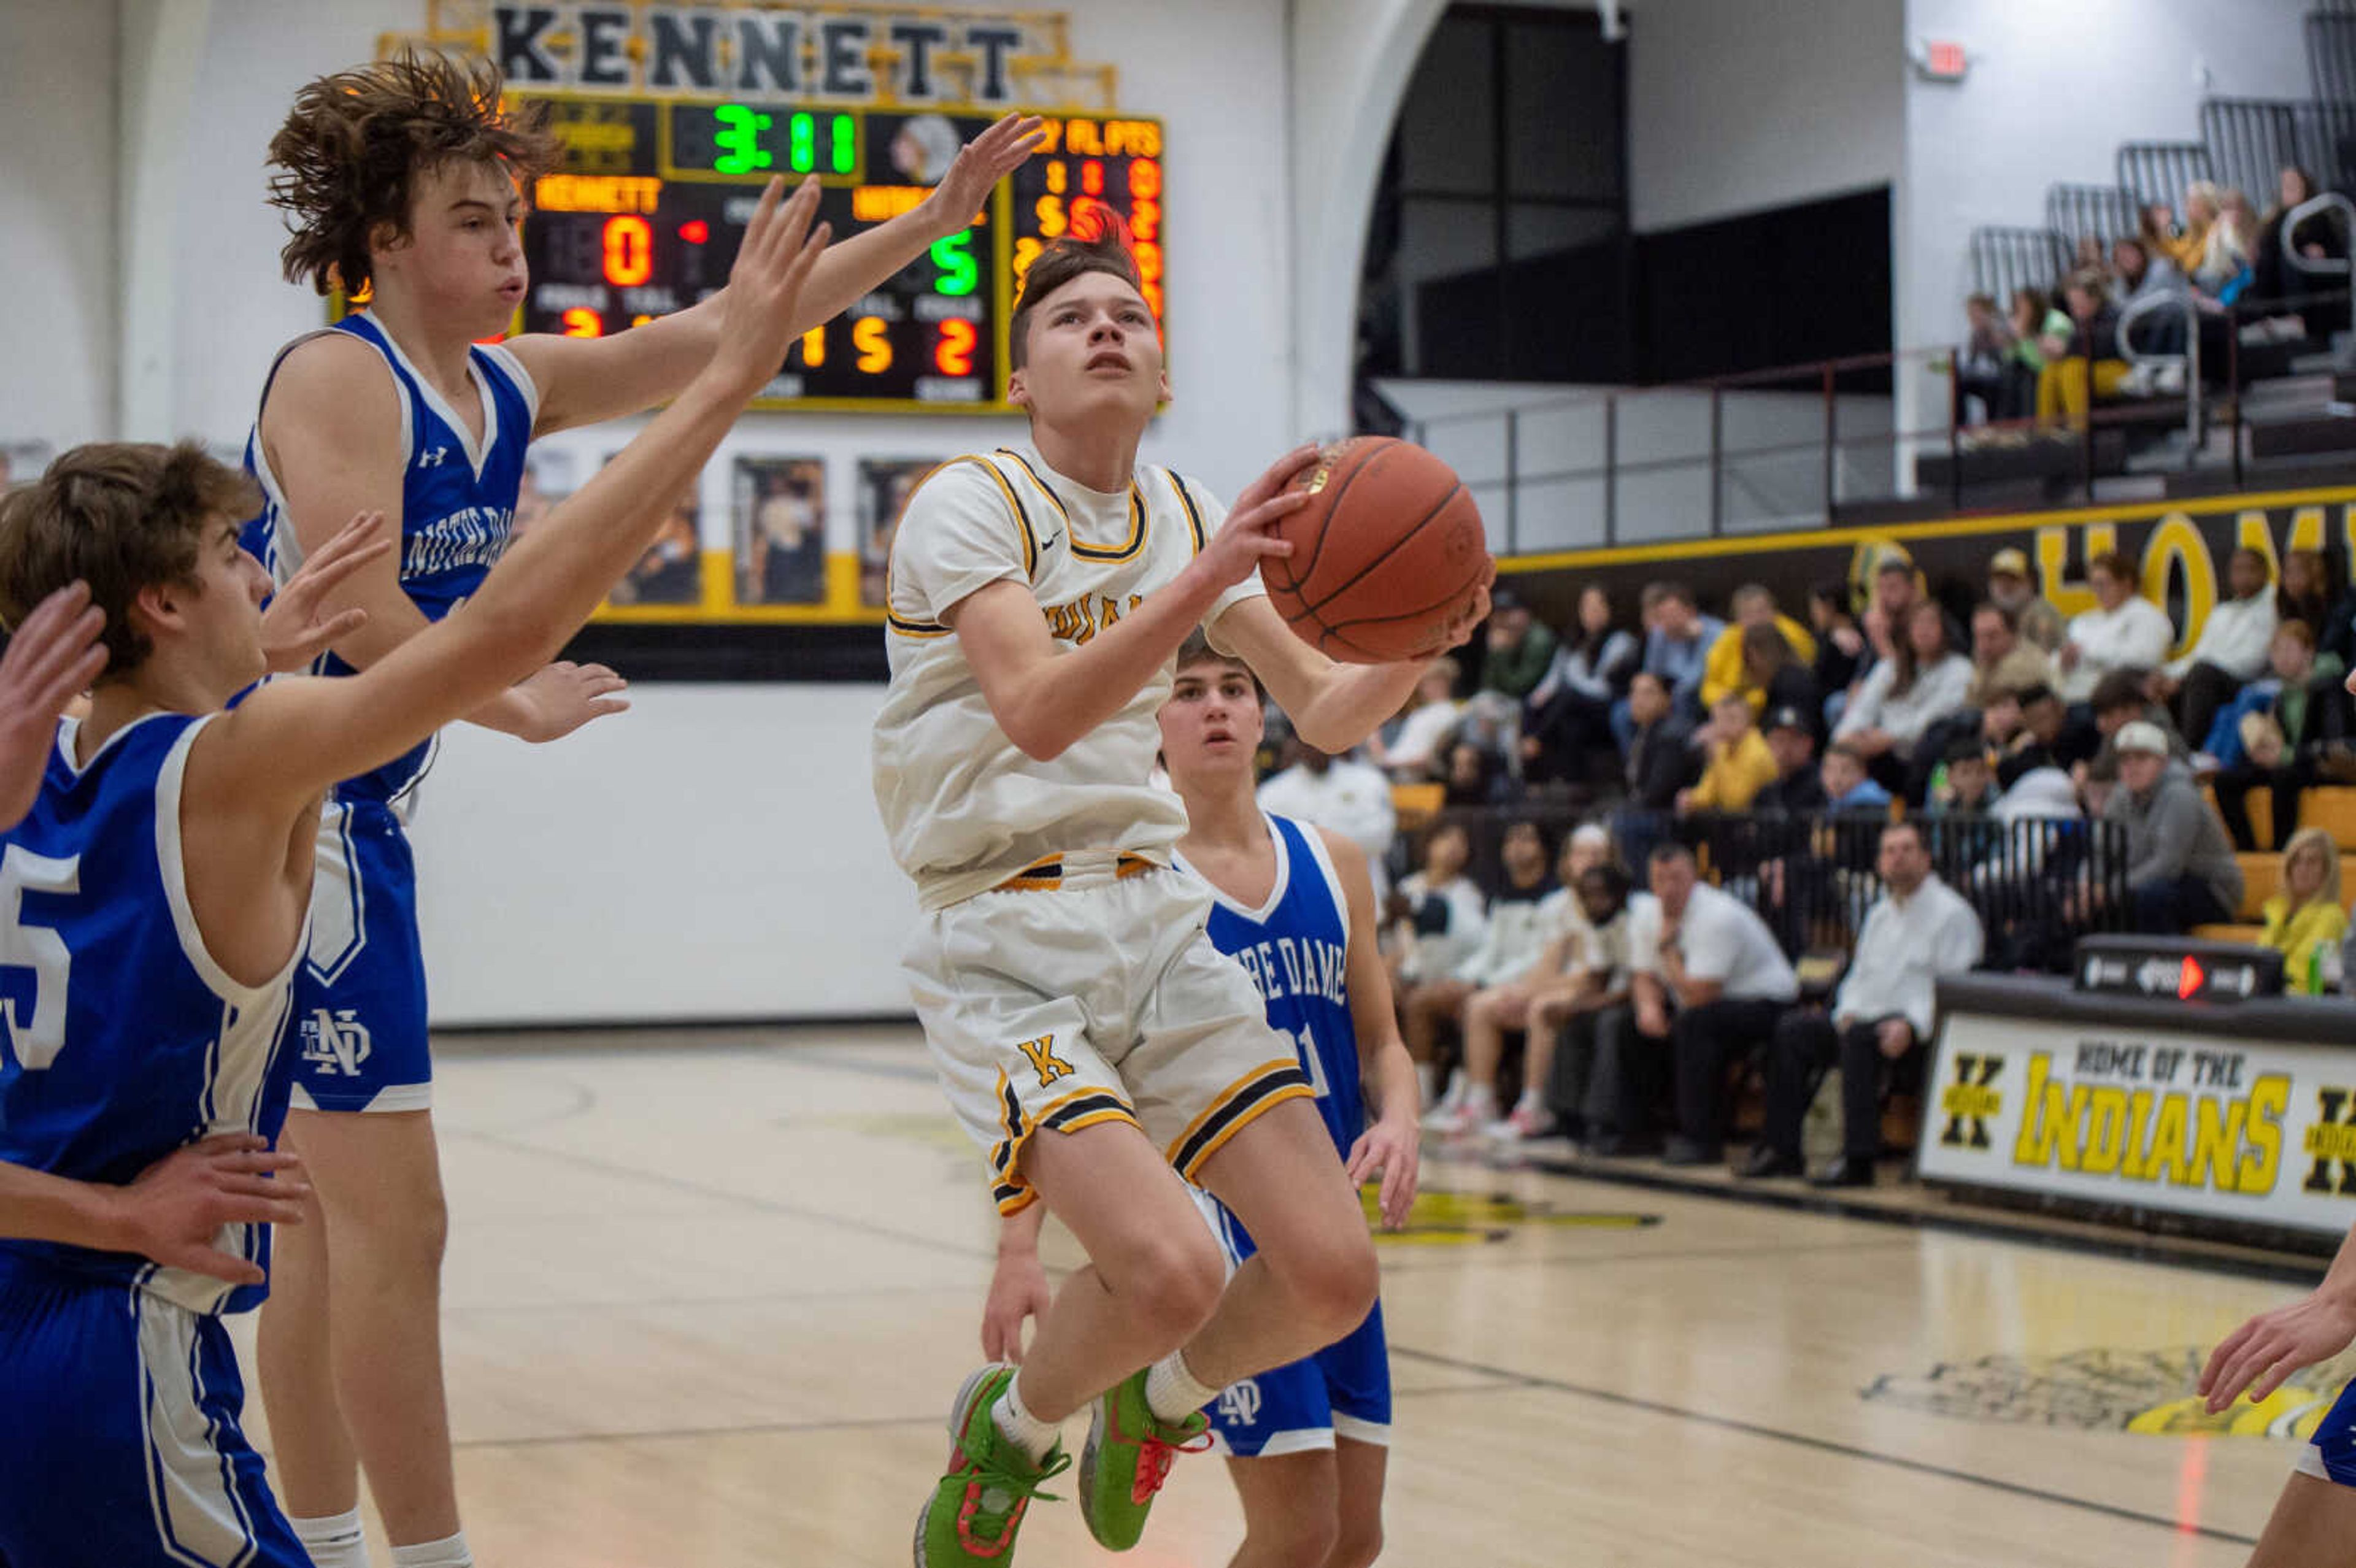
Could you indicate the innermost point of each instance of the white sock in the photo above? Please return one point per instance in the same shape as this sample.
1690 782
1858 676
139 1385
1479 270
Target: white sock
1532 1101
450 1552
1020 1427
1426 1082
335 1540
1480 1100
1455 1095
1172 1392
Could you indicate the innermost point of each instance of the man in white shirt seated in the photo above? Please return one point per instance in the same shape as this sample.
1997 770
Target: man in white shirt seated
1916 932
2230 651
1707 984
2123 631
1351 799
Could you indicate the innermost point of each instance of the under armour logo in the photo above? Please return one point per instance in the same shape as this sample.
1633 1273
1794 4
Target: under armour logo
1970 1101
1239 1402
432 457
2332 1142
334 1041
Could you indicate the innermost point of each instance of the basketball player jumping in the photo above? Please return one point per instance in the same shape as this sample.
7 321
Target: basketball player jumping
2314 1521
1061 970
1307 1443
407 177
159 898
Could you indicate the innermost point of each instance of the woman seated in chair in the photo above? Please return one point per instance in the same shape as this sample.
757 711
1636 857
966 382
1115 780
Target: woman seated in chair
2305 921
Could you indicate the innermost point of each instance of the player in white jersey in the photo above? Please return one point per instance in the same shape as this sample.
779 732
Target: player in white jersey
123 1446
410 177
1061 969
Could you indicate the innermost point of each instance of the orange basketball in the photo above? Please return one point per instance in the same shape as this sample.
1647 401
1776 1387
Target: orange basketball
1385 556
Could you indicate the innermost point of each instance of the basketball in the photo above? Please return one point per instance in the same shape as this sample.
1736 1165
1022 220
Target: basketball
1385 556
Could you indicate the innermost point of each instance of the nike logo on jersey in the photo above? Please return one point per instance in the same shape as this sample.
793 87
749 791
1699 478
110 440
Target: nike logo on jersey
432 457
1052 540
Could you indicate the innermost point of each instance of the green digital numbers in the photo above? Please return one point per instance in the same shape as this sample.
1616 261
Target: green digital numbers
954 257
739 140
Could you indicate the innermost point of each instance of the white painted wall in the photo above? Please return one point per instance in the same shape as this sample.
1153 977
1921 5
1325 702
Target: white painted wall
1734 106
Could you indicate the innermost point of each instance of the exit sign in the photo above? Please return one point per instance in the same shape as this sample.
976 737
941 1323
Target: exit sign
1941 60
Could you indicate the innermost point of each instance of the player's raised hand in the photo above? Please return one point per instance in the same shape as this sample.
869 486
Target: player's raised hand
981 164
2260 1355
1395 1149
764 285
175 1210
561 697
52 658
293 632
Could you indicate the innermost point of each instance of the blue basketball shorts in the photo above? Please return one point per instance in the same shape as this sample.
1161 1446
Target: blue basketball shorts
2330 1455
122 1447
359 994
1342 1391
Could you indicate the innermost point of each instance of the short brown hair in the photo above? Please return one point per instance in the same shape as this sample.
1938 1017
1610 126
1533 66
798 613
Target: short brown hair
1197 649
1075 255
2113 563
355 143
121 517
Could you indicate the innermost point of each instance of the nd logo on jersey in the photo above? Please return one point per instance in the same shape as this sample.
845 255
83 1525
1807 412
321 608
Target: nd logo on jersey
1239 1402
334 1041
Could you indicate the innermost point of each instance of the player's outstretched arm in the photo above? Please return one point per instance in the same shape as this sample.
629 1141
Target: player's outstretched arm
1018 1288
2260 1355
1046 699
1392 1146
584 380
172 1214
1333 706
52 659
291 739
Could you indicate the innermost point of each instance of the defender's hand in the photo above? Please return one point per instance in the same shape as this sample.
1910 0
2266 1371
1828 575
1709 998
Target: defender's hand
2260 1355
981 164
175 1210
562 697
765 283
293 634
53 657
1392 1146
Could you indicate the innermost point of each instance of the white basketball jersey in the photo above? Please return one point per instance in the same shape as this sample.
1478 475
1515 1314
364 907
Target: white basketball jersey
964 807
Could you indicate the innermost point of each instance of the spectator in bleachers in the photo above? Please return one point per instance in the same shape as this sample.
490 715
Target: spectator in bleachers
2002 659
1798 788
1418 748
1713 985
2223 269
1984 370
1517 933
2306 592
1568 713
2305 922
1739 764
1965 783
1840 646
2123 698
1728 667
1577 1097
1507 1004
2137 275
1353 798
2191 240
1474 777
1919 930
2181 867
1661 761
1433 921
1518 652
2274 735
2123 631
2096 783
2087 365
2036 741
2230 652
1676 649
2317 238
1848 787
1924 681
2033 615
1773 676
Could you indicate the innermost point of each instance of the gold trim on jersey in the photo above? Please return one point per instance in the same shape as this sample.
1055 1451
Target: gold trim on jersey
1234 1108
1125 550
1194 515
1088 1107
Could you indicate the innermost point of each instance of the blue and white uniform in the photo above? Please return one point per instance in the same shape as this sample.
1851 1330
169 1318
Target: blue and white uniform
1296 948
2331 1454
121 1039
360 999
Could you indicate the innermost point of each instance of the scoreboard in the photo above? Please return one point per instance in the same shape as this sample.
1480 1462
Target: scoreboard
645 210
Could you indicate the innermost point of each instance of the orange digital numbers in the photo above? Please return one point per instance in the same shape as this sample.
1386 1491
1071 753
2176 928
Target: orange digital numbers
1059 178
1092 178
1145 219
1052 223
1145 179
953 355
1026 250
582 322
814 348
629 250
871 336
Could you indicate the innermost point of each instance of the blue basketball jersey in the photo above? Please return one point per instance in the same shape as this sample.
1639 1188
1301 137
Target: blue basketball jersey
457 500
120 1038
1296 949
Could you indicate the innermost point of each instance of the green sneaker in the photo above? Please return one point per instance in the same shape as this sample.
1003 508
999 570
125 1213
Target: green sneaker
973 1514
1128 1456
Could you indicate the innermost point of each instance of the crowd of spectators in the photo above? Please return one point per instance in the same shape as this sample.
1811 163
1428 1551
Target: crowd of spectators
2213 264
1628 963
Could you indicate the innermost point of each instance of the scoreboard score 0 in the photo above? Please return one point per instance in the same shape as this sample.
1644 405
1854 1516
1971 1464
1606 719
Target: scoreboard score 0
645 212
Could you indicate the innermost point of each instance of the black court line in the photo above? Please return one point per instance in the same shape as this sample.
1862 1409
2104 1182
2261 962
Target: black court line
1824 1446
2139 1249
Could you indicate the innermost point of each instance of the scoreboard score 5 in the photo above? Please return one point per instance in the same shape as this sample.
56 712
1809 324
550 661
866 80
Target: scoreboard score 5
647 207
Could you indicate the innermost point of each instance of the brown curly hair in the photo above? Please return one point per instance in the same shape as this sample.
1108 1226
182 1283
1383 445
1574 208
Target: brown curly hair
355 142
122 517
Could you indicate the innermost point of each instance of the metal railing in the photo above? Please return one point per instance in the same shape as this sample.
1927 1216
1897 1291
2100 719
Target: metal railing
2158 171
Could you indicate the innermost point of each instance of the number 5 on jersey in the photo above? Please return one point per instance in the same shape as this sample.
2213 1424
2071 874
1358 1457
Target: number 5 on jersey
1043 1059
37 1032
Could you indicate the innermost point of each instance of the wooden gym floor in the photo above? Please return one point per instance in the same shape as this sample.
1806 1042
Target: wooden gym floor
710 1293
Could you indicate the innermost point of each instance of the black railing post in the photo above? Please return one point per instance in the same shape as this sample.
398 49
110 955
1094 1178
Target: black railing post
1832 444
2233 384
1955 431
1717 443
1512 481
2086 425
1612 470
